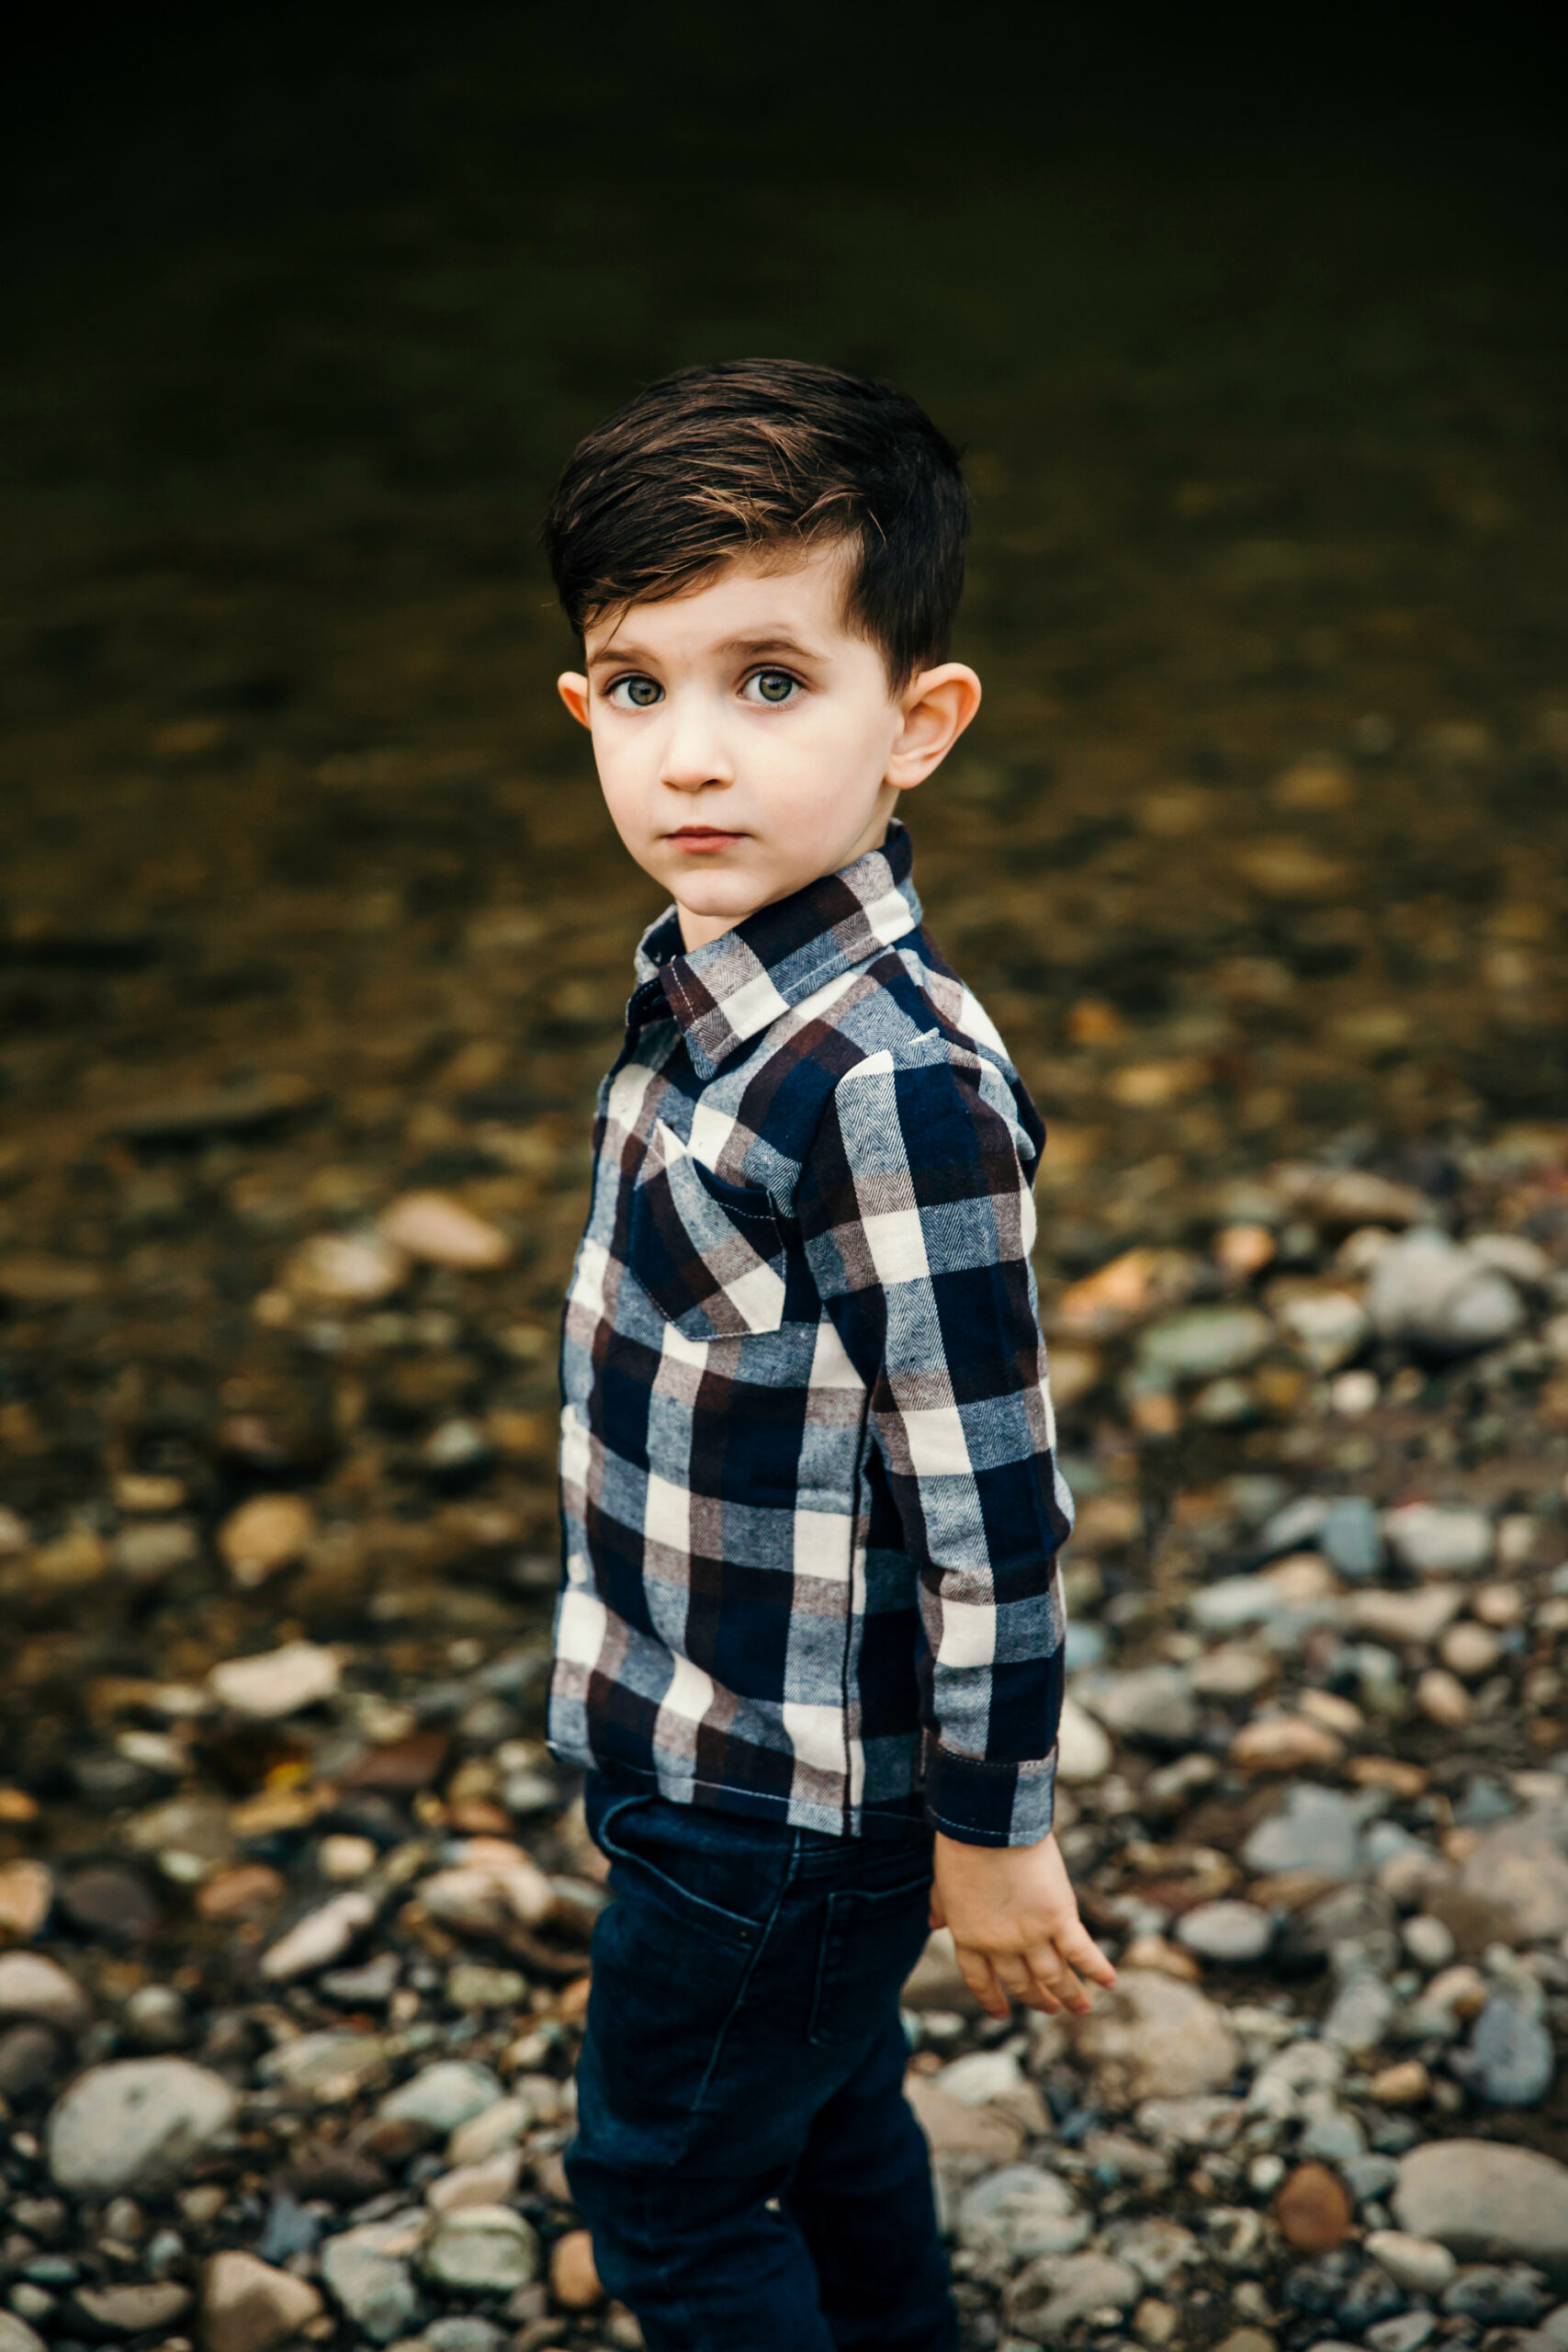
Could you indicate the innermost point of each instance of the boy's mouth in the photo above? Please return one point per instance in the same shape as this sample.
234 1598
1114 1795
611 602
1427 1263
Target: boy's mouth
703 837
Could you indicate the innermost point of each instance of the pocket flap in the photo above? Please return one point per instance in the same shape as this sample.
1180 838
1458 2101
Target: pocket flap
709 1254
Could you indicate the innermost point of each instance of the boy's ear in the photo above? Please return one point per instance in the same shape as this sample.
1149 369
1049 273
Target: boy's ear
937 706
573 688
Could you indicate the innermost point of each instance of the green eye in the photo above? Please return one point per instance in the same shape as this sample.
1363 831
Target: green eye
773 685
636 693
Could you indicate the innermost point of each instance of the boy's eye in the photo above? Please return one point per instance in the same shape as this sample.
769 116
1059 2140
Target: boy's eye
635 693
772 686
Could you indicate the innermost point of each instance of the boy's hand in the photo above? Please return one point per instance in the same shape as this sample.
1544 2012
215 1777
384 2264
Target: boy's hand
1015 1925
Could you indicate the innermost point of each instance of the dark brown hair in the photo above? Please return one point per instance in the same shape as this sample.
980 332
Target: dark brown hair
753 455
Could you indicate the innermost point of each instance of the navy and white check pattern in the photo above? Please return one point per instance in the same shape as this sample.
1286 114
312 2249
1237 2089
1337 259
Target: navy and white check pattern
811 1506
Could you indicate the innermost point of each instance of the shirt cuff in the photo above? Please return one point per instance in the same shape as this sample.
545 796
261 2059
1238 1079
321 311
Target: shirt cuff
981 1804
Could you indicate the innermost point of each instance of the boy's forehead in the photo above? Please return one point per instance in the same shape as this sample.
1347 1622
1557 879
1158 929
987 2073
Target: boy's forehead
762 595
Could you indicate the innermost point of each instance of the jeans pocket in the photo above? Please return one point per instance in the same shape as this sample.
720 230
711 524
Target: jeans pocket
682 1881
871 1939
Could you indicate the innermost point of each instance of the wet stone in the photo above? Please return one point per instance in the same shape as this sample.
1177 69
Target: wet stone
1509 2060
1225 1930
1499 2295
136 2123
108 1901
442 2096
132 2310
1021 2211
248 2305
368 2273
1483 2198
482 2249
40 1990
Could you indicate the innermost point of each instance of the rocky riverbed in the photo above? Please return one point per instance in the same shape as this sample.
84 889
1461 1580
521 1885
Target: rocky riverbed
297 1906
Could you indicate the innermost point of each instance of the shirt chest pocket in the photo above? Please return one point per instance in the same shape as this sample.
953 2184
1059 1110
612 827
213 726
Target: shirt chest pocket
709 1253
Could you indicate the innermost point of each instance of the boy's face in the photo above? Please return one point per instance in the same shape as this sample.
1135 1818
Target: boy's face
748 741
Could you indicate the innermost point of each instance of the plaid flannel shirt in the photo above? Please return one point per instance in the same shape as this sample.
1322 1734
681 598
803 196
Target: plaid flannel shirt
810 1502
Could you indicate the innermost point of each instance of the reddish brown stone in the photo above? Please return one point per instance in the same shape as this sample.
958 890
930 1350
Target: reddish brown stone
401 1767
1313 2210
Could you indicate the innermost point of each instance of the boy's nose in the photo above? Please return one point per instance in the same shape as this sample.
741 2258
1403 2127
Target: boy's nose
694 755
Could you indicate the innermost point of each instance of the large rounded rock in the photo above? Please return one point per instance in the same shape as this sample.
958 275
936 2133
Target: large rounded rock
1484 2200
1022 2212
138 2123
1432 1293
1155 2037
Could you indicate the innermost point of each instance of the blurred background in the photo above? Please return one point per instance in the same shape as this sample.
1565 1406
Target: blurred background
314 937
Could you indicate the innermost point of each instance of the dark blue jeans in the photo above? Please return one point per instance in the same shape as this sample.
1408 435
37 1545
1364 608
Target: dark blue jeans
744 2157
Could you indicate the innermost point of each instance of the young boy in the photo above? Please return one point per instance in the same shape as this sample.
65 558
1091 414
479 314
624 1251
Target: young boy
809 1647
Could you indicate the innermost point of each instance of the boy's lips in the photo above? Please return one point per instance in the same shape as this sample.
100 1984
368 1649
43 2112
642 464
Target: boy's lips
703 837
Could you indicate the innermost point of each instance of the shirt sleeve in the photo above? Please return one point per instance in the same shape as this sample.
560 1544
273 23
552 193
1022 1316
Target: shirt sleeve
917 1216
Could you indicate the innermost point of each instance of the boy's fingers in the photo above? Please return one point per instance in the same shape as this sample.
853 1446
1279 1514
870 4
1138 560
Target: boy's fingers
981 1978
1051 1972
938 1916
1079 1947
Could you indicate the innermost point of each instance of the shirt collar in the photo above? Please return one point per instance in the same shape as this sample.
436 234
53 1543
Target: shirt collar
731 990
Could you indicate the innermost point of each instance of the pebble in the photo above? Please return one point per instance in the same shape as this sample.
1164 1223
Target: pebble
1413 1618
442 2096
1199 1342
574 2281
473 1985
1154 2036
1425 1289
276 1683
492 2182
1316 1829
1428 1942
15 2335
1351 1538
482 2249
328 2064
1406 2332
153 1549
1328 1326
1442 1698
132 2309
1498 2296
341 1855
1084 1752
1286 1744
496 2126
135 2123
953 2128
248 2306
432 1226
1470 1650
1153 1702
368 2271
1155 2247
1021 2213
1485 2199
31 1986
1361 2012
1226 1930
1521 1868
266 1533
1440 1539
1420 2266
1234 1670
1314 2209
157 2015
319 1938
1205 2121
1404 2083
1511 2058
28 2055
1053 2293
345 1270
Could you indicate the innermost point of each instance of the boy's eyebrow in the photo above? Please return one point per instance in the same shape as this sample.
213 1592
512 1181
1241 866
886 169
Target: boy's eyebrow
747 648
